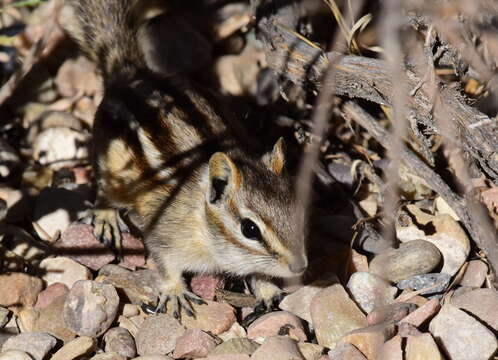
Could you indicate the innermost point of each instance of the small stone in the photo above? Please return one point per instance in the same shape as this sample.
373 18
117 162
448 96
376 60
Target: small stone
346 351
64 270
370 291
235 331
212 317
359 262
52 292
133 286
310 351
475 274
158 335
390 313
227 357
421 347
133 252
482 303
108 356
413 258
130 310
369 340
90 308
78 243
419 282
461 336
446 233
194 343
153 357
36 344
334 314
75 348
19 290
119 340
15 355
47 319
205 286
132 324
236 346
405 329
278 348
299 302
277 323
423 313
4 316
391 350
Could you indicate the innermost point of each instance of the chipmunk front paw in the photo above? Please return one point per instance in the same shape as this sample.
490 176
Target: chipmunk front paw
268 296
179 298
107 227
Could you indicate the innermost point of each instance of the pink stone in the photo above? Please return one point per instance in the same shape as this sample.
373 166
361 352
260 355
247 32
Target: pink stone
278 348
277 323
133 252
423 313
19 289
205 286
212 317
52 292
194 343
78 243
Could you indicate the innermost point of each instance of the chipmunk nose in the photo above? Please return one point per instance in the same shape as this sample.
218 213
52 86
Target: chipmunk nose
298 265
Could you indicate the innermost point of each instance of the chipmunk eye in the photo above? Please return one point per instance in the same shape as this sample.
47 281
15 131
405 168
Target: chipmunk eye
250 230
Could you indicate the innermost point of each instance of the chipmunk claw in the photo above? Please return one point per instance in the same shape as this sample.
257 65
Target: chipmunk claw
178 302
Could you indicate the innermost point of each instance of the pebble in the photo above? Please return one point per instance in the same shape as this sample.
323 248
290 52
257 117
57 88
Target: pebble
482 303
15 355
158 335
278 348
78 243
4 316
235 331
135 287
119 340
36 344
446 233
130 310
277 323
405 329
369 340
310 351
421 347
212 317
52 292
59 147
205 286
55 209
227 357
90 308
132 324
334 314
413 258
108 356
299 302
423 313
75 348
346 351
236 346
153 357
452 328
19 290
391 350
64 270
48 319
475 274
194 343
370 291
418 282
390 313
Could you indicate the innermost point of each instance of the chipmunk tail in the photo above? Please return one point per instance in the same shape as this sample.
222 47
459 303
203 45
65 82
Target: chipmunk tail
109 32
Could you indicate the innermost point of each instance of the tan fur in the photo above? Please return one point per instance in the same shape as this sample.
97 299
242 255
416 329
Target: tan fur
167 152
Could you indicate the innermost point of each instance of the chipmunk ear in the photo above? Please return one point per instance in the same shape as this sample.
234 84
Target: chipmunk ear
275 160
224 177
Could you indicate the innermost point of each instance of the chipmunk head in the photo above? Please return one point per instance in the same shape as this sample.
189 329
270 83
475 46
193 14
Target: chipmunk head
250 210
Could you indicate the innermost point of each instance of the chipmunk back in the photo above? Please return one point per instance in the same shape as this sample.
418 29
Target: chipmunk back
166 151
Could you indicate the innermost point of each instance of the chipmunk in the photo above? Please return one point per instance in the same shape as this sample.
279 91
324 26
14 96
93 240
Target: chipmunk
164 150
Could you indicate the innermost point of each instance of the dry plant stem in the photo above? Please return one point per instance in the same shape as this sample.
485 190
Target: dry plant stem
360 77
391 43
478 228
